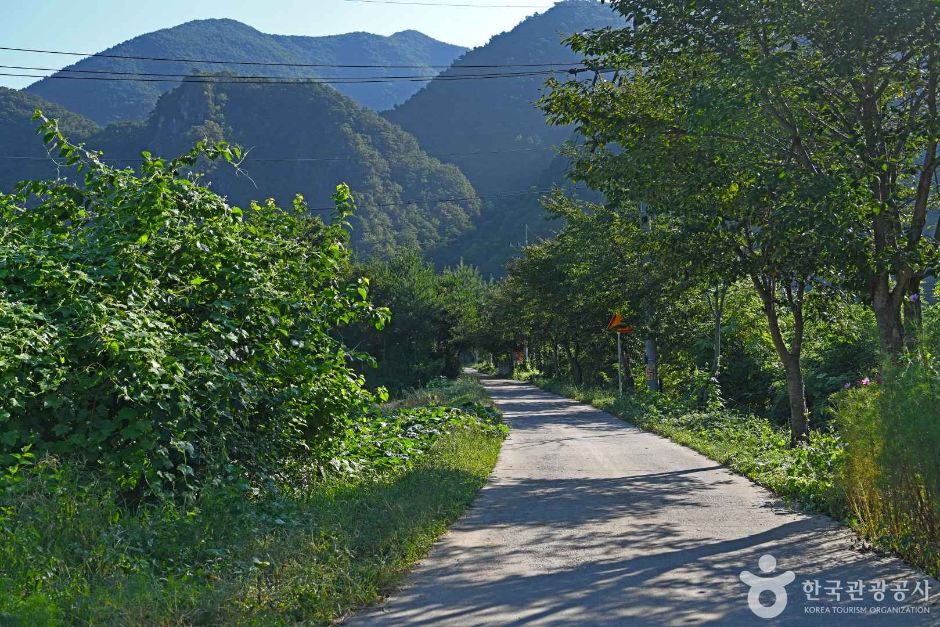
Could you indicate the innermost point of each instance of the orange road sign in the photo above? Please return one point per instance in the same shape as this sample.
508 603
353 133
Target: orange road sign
618 324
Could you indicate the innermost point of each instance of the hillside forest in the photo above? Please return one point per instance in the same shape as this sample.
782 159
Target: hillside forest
235 314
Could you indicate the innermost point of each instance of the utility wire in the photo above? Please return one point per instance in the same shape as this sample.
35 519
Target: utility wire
433 201
105 55
287 78
440 200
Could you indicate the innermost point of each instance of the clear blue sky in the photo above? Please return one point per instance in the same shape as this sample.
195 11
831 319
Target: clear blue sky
93 25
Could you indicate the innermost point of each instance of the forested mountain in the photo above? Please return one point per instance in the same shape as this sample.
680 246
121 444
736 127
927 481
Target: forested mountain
305 139
222 39
508 223
22 155
497 136
497 117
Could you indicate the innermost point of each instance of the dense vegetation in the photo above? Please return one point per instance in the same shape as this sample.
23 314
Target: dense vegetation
106 102
307 544
184 436
436 326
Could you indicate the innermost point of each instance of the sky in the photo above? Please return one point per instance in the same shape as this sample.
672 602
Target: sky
94 25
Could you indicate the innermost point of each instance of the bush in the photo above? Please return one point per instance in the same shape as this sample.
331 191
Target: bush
891 476
304 545
149 327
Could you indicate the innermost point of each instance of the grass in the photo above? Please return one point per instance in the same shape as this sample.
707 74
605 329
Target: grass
286 552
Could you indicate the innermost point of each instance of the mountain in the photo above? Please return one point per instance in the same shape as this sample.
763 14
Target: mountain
22 155
106 101
496 118
507 223
305 139
500 137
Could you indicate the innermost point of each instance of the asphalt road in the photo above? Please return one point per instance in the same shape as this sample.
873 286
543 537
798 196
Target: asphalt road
588 520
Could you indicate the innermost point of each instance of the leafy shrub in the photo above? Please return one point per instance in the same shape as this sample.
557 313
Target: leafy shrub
386 441
293 546
149 327
892 472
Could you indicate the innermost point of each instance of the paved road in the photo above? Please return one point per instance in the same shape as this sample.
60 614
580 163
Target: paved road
587 520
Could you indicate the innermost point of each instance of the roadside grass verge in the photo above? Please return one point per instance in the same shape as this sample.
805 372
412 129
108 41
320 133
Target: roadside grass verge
308 546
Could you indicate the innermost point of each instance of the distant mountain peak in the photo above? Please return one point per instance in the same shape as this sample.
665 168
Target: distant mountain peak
411 34
228 39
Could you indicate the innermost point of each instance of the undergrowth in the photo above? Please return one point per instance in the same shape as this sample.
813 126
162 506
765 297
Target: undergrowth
307 545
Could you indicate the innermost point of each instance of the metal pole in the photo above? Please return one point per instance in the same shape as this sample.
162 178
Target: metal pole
619 367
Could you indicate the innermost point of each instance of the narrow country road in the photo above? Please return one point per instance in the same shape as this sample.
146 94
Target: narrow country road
587 520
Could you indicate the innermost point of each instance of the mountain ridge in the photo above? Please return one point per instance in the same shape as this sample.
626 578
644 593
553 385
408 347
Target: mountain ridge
318 139
227 39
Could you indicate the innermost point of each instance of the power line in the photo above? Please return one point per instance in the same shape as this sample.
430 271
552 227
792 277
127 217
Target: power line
432 201
105 55
288 78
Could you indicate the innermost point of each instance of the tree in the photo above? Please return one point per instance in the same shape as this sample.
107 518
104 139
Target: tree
671 133
846 90
435 317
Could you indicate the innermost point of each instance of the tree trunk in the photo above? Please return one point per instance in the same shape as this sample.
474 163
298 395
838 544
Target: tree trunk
716 303
767 287
888 317
629 383
574 363
796 393
913 313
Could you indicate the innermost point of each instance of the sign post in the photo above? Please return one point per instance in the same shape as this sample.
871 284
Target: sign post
619 326
619 367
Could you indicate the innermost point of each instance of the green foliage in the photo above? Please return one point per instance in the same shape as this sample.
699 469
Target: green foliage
892 472
436 318
115 101
151 328
308 544
383 441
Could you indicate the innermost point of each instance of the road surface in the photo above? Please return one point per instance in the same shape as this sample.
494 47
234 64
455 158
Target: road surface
588 520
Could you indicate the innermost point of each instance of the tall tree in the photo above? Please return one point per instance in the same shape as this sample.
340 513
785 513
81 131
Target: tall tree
845 89
677 134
